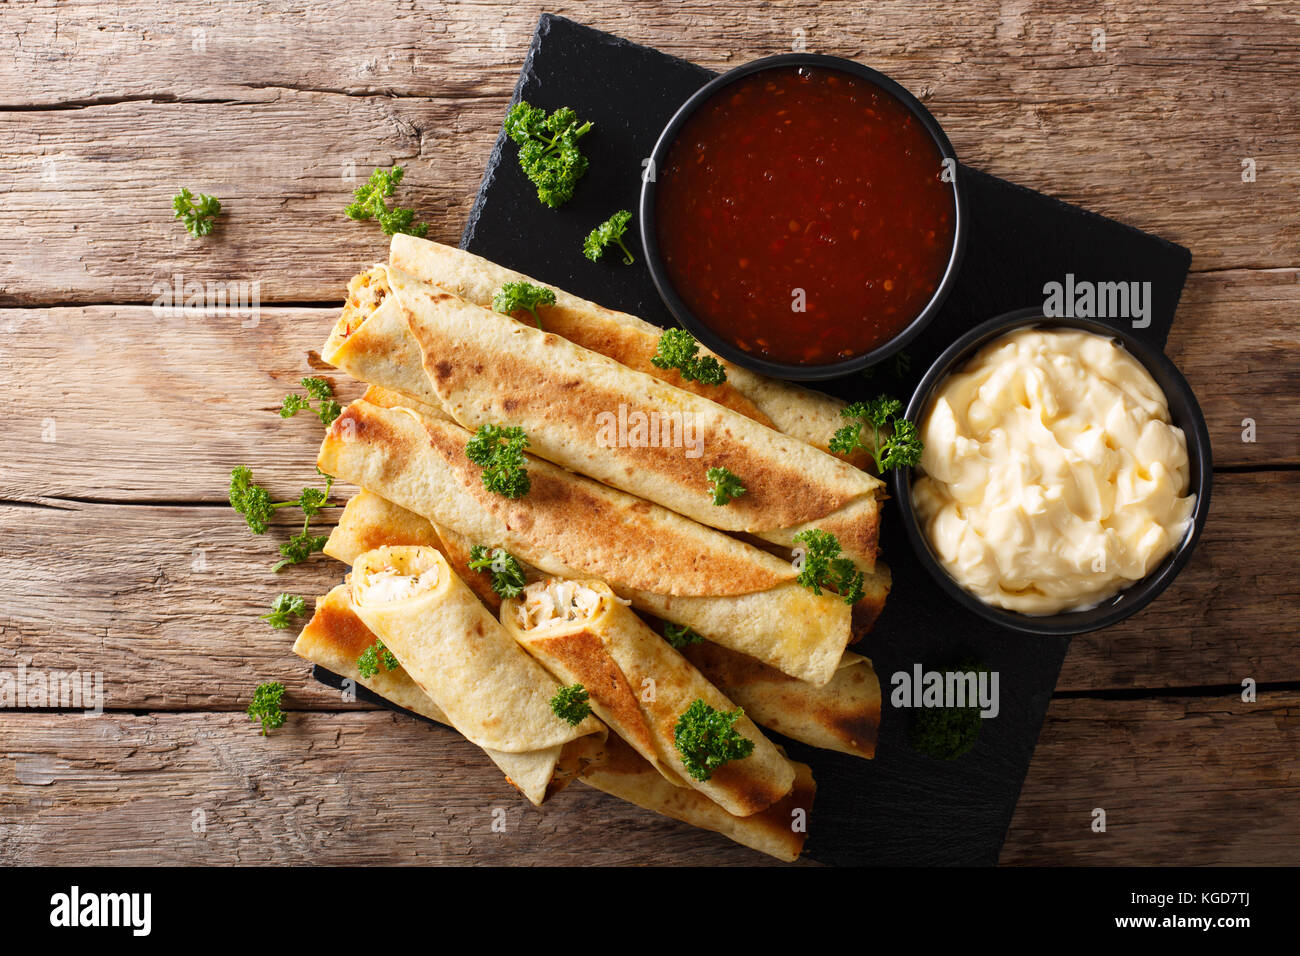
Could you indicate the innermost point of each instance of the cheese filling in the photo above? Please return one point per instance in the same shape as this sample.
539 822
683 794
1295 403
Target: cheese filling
1052 476
388 585
555 602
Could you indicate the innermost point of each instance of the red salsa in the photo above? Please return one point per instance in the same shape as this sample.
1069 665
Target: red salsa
802 215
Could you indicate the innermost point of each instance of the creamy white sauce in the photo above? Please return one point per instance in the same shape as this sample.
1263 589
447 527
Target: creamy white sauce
556 601
1052 477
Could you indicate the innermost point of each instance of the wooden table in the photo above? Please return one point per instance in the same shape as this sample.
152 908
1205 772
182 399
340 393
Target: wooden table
118 552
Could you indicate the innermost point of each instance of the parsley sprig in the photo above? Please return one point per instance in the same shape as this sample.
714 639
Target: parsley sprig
374 655
678 349
823 566
680 635
507 573
570 704
724 485
254 503
370 201
317 390
198 215
522 297
265 706
284 607
548 149
609 231
706 739
892 441
499 450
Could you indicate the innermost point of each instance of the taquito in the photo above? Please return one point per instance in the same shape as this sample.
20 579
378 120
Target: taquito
335 637
569 526
801 413
640 686
843 715
778 831
592 415
490 690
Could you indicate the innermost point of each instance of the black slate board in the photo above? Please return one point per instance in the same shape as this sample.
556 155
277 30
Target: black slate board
901 808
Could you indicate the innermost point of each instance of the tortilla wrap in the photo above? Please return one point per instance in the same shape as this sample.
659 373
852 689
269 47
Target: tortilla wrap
592 415
495 695
801 413
335 637
569 526
843 715
639 686
778 831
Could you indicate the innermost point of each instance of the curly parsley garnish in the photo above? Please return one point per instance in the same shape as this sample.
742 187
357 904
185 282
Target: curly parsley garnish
266 706
900 448
317 390
678 349
824 567
370 202
522 296
198 215
570 704
548 149
255 504
499 450
680 635
507 573
724 486
611 230
706 739
946 733
284 607
370 659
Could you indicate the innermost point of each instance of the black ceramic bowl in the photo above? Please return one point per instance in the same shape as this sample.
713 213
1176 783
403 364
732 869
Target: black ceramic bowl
1184 411
720 345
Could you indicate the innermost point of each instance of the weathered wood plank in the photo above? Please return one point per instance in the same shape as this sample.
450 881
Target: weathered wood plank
117 403
163 601
1183 781
86 213
1152 131
362 788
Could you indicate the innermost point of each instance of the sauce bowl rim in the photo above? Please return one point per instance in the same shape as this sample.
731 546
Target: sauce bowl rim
697 327
1185 413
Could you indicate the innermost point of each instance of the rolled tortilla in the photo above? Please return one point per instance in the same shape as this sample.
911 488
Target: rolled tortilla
490 691
639 686
569 526
778 831
807 415
592 415
843 715
335 637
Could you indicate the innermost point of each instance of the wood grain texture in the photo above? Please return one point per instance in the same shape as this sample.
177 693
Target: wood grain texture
164 602
109 115
126 789
122 424
346 789
1184 781
148 408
